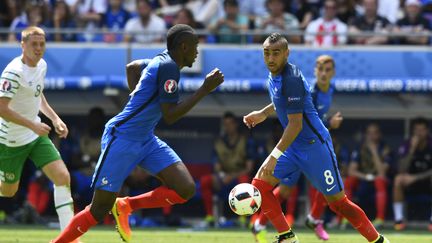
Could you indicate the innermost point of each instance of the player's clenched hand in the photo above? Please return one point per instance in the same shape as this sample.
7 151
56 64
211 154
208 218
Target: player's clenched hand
212 80
41 129
254 118
268 166
61 128
336 120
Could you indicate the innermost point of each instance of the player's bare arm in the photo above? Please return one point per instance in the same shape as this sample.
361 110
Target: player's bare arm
8 114
133 73
295 125
255 117
173 112
59 126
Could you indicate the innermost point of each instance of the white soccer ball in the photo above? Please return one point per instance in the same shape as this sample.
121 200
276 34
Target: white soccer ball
244 199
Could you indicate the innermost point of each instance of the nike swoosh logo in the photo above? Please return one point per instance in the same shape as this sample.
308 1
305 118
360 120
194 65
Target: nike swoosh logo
79 229
331 188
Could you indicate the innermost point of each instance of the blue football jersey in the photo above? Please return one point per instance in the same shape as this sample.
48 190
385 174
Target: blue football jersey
290 94
158 84
322 102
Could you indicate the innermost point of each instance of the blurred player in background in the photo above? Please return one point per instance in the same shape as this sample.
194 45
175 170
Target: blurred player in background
370 163
129 139
306 144
322 96
415 169
22 134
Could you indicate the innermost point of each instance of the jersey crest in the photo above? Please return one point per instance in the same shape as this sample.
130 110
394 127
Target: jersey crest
170 86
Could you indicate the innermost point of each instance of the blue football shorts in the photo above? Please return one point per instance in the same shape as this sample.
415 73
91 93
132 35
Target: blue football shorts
119 157
318 163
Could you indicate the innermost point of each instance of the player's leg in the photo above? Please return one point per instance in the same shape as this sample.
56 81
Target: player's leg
325 177
313 220
400 182
281 193
207 183
117 159
178 185
270 206
380 200
12 161
8 189
290 195
45 156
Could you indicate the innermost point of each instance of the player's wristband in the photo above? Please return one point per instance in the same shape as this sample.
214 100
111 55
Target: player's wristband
276 153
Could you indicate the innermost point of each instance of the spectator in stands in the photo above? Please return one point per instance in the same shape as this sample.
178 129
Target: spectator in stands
370 163
229 27
115 20
305 13
147 27
203 10
372 22
413 23
389 9
166 3
233 164
328 30
253 9
63 19
32 16
346 10
185 16
8 11
415 169
89 16
278 21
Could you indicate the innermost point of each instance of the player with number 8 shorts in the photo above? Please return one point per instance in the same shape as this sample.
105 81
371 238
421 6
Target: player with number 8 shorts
305 146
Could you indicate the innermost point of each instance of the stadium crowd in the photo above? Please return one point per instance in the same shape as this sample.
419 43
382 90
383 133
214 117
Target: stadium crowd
313 22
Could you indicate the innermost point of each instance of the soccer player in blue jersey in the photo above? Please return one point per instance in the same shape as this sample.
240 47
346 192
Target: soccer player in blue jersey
322 96
128 140
305 146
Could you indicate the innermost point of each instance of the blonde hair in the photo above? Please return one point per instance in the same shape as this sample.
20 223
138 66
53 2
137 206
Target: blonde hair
323 59
31 30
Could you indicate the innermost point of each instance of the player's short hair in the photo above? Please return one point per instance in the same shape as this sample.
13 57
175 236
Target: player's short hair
275 38
419 121
29 31
323 59
177 34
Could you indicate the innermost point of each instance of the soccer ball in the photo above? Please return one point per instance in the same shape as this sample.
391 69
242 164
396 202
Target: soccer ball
244 199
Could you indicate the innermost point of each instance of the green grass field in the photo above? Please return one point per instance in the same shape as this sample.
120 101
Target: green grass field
10 234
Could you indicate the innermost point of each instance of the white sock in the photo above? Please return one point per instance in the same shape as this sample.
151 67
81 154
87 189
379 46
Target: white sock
64 205
314 220
258 226
398 211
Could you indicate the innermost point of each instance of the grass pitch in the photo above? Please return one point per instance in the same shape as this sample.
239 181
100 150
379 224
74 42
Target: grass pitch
19 234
